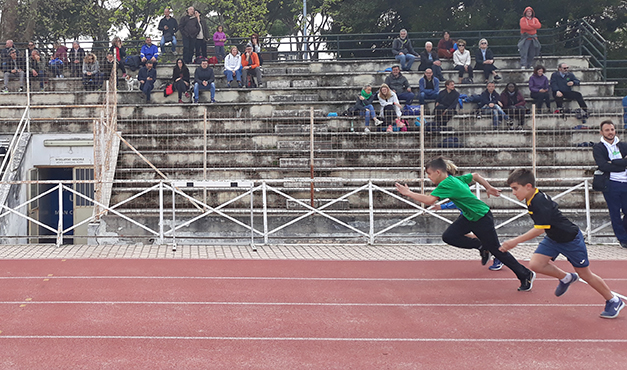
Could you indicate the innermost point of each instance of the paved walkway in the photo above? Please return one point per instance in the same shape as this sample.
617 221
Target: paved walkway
290 252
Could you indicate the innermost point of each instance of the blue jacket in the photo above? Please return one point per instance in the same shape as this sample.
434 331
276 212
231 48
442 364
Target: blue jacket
559 83
423 83
149 51
144 73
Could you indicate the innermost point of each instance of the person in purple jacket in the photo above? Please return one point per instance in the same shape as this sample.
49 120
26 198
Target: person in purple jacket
539 88
219 38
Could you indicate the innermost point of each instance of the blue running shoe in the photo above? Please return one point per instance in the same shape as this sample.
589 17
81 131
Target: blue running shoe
496 265
563 287
612 309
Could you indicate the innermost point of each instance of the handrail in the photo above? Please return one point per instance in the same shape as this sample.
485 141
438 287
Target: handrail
10 154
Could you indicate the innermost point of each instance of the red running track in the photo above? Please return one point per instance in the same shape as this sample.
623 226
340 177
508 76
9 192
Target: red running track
239 314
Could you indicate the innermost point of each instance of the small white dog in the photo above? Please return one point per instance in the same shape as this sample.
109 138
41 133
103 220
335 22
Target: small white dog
131 83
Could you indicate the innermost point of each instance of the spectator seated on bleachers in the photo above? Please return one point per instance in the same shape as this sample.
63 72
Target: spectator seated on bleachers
461 59
233 67
147 77
92 78
562 82
37 68
58 60
429 59
13 66
204 79
399 85
446 103
119 51
390 108
429 86
168 25
250 65
180 79
403 51
484 61
76 55
514 105
491 105
149 52
539 88
446 46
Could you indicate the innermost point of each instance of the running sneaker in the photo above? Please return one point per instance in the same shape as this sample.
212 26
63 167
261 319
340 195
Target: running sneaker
485 256
496 265
527 284
563 287
612 309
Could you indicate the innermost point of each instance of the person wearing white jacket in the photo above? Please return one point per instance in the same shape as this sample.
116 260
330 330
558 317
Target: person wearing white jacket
461 59
233 67
390 107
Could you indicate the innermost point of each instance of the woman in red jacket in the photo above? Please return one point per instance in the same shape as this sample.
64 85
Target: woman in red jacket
528 46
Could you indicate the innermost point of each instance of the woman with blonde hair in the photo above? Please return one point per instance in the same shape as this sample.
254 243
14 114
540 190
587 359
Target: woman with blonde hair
92 78
390 108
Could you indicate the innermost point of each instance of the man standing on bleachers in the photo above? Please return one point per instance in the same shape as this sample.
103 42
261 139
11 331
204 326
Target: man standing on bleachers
399 84
189 27
562 82
149 52
403 51
168 25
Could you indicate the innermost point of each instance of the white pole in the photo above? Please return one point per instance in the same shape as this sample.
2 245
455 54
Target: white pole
305 54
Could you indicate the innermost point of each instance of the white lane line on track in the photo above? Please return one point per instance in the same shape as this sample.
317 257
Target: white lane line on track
305 339
270 278
323 304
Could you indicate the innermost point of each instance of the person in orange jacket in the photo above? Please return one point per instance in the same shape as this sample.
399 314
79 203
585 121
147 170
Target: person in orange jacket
250 64
528 46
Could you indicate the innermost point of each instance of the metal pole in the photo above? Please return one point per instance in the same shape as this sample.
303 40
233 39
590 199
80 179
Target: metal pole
371 211
305 54
589 225
533 139
60 221
311 153
265 212
28 90
204 157
252 220
173 220
161 212
422 149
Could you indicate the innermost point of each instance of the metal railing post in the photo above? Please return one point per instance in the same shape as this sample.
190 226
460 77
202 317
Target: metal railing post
173 219
161 212
265 211
588 222
60 221
252 219
371 211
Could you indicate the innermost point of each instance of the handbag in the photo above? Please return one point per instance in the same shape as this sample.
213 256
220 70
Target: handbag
600 180
169 90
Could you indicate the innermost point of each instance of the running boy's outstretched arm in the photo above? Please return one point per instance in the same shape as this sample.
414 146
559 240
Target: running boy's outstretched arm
491 190
512 243
426 199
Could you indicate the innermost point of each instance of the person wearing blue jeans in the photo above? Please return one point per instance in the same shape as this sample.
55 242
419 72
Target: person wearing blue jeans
204 79
491 104
168 25
365 108
429 86
233 67
609 155
399 84
403 51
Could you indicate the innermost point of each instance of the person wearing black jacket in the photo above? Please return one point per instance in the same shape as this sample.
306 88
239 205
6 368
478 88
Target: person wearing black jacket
491 104
180 78
189 27
429 59
168 25
119 52
399 84
562 82
204 79
446 103
147 77
403 51
484 59
76 55
610 154
13 66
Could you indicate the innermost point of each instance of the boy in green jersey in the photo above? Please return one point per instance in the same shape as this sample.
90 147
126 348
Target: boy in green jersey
476 217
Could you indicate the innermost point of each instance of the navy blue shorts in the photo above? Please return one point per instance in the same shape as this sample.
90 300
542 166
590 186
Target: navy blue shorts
575 251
